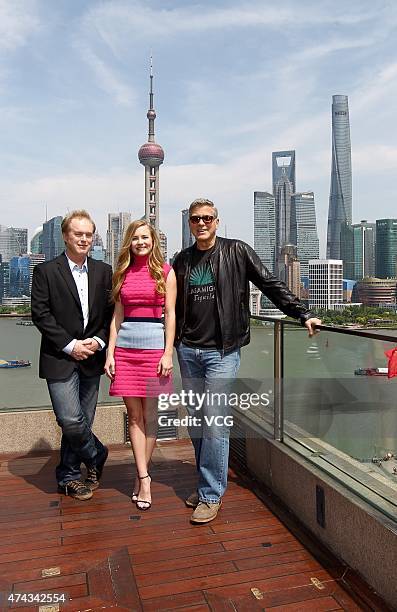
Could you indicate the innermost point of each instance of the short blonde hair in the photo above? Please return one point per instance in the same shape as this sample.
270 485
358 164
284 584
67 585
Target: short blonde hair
202 202
76 214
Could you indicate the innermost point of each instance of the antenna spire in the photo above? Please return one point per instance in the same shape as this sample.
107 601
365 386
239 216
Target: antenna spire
151 114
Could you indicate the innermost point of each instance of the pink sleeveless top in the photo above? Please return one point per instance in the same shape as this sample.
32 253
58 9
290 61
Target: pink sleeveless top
138 292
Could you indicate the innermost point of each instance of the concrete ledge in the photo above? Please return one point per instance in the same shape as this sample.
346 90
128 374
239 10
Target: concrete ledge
34 430
354 531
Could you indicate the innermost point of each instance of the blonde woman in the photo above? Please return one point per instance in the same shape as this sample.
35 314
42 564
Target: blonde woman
139 359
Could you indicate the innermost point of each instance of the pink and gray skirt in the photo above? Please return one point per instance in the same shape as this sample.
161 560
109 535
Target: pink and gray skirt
139 348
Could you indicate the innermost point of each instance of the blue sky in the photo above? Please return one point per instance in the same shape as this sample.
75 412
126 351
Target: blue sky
234 81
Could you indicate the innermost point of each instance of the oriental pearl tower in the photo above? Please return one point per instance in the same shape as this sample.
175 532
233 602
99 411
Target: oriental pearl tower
151 155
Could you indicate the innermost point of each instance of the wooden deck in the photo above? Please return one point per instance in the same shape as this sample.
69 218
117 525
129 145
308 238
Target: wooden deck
105 554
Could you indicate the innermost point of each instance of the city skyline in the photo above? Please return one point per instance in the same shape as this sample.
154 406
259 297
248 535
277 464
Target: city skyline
74 91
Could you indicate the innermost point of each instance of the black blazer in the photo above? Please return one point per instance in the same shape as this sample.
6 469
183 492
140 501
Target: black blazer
56 312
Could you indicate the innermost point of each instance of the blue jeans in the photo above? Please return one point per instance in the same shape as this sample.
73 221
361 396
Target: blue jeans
74 401
210 375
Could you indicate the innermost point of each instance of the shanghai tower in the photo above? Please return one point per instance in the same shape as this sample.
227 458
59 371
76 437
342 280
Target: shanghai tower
340 197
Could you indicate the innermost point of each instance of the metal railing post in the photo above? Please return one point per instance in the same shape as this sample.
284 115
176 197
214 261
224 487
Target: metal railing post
278 430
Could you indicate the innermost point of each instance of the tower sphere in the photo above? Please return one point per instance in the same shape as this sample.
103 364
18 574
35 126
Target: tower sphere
151 154
151 114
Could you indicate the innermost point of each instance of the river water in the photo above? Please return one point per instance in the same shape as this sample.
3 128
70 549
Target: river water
357 414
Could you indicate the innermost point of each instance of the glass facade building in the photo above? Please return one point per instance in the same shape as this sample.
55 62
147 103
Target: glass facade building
340 198
286 160
283 193
4 279
117 224
364 249
36 244
52 241
358 249
13 242
19 276
386 248
304 229
265 228
187 238
347 249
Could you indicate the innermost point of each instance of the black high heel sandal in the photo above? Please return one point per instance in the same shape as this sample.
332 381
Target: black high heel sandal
134 494
147 503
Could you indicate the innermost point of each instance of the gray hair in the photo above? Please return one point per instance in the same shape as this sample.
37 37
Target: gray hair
203 202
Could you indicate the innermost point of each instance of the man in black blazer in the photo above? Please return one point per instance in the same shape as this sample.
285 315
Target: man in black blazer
72 309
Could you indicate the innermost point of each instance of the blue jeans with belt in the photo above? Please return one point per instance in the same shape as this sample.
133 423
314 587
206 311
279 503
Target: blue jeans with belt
74 401
209 375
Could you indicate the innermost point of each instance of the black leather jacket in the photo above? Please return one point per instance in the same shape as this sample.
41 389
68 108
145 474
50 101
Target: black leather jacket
234 263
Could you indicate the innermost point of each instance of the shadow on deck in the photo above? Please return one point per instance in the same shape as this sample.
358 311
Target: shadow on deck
105 554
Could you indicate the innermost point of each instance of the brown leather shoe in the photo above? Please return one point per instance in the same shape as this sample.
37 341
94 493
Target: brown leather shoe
193 500
205 512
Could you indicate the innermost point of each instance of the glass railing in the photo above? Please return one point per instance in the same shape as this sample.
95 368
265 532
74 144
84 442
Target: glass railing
256 375
343 422
334 404
21 388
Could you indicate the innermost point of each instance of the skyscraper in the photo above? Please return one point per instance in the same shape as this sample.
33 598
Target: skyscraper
286 160
347 249
21 238
289 268
340 198
13 242
53 244
36 243
4 279
151 155
187 238
19 276
97 239
364 249
304 229
117 224
386 248
163 244
358 250
265 228
282 194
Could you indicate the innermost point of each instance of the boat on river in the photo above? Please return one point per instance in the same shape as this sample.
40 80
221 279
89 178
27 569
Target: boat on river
371 371
15 363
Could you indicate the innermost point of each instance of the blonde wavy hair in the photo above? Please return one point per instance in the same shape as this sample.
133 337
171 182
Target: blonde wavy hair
125 259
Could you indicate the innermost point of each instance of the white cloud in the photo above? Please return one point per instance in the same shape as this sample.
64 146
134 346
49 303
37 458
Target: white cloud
107 79
116 22
17 21
377 85
364 156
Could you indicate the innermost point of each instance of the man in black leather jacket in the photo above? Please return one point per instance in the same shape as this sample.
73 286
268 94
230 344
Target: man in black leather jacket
212 324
